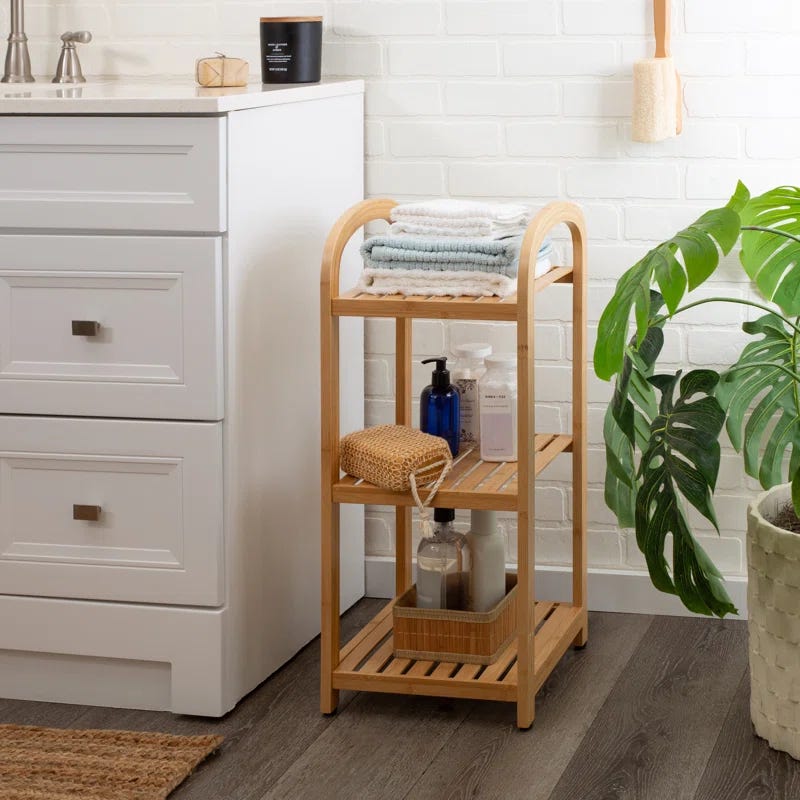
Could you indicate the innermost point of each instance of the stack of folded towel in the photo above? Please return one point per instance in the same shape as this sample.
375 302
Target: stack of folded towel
463 218
449 247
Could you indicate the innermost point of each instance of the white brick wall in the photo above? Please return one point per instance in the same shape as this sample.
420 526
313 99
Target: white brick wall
514 99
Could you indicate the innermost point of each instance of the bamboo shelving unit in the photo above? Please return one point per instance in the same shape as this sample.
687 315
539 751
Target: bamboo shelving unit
545 630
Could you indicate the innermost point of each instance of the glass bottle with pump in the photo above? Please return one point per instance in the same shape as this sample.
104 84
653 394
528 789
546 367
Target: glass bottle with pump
443 565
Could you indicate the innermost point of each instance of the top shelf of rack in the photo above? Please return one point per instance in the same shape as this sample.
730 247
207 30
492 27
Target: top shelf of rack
360 304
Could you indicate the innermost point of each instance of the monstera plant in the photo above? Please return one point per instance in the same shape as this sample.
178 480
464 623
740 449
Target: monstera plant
662 430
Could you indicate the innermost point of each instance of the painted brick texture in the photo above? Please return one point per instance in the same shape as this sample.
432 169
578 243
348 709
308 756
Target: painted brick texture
522 99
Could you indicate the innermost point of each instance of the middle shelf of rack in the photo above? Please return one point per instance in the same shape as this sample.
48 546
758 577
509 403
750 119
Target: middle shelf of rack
472 483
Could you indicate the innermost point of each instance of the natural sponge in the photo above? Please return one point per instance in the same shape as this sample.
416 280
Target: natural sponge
655 100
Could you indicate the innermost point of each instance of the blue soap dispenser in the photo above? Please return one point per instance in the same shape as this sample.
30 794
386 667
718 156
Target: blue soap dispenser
439 406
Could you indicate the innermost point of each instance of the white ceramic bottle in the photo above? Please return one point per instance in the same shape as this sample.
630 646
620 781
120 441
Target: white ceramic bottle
487 577
497 392
468 369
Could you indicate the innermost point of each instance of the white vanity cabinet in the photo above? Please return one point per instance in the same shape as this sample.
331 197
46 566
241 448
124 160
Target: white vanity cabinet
159 379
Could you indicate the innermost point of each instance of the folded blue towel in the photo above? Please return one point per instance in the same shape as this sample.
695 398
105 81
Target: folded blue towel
446 253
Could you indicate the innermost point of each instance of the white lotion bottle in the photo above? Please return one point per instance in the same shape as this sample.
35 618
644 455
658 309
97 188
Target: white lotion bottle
497 393
487 577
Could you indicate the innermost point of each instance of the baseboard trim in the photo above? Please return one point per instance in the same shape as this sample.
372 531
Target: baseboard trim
609 589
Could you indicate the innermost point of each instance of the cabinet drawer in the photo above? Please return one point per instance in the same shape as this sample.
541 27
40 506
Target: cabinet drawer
155 488
156 348
120 173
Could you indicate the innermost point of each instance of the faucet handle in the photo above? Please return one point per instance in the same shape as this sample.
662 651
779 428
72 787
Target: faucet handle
69 67
79 37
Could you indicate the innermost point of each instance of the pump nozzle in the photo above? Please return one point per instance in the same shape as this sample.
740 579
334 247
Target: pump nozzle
440 377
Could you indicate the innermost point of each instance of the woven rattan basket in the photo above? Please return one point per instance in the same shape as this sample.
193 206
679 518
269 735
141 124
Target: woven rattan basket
773 604
463 637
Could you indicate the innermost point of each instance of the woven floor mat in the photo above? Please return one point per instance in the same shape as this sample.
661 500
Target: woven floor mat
53 764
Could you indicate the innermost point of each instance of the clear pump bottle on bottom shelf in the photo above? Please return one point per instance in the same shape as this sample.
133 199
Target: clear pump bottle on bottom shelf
467 370
487 575
443 565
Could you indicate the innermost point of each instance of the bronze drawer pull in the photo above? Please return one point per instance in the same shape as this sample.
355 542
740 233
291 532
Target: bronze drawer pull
86 513
85 327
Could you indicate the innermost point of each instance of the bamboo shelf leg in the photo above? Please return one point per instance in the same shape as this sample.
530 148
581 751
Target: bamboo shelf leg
579 425
403 578
526 515
351 221
329 697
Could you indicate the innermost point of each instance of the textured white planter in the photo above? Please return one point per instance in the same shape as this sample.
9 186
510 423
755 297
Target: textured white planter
773 599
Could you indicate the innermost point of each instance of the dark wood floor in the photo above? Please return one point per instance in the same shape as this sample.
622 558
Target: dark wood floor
655 708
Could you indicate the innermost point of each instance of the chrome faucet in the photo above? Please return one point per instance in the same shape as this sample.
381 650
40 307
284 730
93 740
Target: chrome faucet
18 62
69 66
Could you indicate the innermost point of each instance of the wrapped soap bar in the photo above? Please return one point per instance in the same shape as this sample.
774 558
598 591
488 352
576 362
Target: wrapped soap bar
220 70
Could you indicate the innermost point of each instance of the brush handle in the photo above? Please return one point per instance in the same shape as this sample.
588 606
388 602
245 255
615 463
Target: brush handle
661 22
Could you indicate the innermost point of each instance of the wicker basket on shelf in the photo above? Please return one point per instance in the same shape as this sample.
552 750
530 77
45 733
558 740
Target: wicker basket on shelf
463 637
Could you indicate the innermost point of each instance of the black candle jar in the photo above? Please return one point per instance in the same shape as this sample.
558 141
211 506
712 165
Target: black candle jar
291 49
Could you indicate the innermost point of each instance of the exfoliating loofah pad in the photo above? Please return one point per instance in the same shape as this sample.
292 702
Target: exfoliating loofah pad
655 100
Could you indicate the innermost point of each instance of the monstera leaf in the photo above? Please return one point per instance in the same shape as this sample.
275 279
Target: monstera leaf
680 465
763 383
685 260
771 246
627 420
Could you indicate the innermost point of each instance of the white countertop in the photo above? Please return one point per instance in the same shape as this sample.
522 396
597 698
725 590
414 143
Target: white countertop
158 96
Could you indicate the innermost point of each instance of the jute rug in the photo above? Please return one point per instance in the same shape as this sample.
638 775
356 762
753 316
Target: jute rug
51 764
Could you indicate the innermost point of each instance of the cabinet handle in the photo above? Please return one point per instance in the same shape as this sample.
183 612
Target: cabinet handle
86 513
85 327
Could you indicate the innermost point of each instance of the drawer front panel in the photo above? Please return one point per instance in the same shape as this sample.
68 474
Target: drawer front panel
111 510
113 173
111 326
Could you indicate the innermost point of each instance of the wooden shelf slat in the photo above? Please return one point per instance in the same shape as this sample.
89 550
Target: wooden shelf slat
380 658
367 639
472 483
552 641
421 668
556 625
397 666
353 303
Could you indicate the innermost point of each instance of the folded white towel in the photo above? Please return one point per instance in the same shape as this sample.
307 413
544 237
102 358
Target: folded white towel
481 230
453 283
465 218
448 208
439 284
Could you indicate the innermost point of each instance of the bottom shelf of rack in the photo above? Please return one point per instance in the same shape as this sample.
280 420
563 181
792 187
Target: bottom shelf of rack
367 662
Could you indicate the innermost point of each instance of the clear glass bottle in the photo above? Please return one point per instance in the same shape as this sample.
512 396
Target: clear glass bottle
497 392
443 565
467 371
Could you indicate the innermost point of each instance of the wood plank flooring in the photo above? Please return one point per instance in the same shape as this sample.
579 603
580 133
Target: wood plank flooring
652 709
